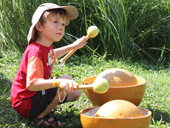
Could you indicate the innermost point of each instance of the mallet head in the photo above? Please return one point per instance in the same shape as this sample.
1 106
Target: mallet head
92 31
100 85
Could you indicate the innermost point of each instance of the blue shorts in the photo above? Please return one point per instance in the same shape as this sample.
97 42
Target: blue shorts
41 100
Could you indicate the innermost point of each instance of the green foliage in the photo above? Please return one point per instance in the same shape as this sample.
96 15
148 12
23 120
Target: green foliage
128 28
148 26
156 97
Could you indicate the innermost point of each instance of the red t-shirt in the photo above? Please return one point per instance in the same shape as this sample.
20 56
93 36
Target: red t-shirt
37 63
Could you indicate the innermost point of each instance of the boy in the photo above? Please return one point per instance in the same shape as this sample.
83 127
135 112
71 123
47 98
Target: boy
33 93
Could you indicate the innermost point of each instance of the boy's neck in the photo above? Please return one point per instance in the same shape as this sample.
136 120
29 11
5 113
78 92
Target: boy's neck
44 43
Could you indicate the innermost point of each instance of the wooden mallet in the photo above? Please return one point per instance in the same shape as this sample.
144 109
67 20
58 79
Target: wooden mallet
99 86
92 32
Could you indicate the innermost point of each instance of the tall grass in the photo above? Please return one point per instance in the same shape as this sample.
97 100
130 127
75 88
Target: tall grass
150 26
128 28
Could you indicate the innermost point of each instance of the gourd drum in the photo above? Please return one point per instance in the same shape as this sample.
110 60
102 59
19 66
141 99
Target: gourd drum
89 121
132 91
124 87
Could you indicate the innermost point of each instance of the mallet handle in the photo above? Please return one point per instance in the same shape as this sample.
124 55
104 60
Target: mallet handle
72 51
89 86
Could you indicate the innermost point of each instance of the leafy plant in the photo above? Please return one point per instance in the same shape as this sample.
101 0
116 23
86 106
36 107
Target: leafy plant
129 29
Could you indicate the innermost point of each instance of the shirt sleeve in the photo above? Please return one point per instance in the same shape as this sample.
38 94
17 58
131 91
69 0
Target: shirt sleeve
35 70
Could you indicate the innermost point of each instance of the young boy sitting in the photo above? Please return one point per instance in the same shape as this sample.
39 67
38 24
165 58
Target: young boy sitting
34 93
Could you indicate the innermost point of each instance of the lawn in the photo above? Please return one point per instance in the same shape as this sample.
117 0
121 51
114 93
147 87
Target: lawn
156 98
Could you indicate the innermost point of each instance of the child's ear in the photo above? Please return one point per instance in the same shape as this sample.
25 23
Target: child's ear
38 26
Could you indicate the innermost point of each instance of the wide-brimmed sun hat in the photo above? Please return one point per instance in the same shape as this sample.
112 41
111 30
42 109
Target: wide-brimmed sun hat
71 12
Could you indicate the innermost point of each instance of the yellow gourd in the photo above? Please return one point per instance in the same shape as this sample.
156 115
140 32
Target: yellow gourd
118 109
118 77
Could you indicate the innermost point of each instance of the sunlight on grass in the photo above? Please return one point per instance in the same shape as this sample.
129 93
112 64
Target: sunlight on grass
156 97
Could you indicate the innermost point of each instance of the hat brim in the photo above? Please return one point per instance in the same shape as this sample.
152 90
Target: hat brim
71 11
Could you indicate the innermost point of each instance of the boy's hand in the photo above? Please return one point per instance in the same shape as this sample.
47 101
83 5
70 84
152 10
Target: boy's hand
79 43
68 85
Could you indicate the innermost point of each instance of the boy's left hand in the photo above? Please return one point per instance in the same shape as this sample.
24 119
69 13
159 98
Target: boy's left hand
79 43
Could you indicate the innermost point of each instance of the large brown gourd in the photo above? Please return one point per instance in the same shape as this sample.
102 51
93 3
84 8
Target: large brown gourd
118 109
118 77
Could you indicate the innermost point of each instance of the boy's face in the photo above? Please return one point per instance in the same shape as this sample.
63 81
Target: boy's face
54 28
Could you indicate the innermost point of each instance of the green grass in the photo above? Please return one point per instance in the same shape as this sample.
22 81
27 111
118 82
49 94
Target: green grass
156 98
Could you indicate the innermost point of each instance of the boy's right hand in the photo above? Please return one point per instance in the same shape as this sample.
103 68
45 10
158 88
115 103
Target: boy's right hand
67 84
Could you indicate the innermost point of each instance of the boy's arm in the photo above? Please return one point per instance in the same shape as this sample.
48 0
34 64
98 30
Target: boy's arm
66 84
40 85
36 82
59 52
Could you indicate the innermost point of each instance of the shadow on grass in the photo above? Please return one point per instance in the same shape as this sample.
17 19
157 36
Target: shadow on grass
71 117
157 114
6 111
5 85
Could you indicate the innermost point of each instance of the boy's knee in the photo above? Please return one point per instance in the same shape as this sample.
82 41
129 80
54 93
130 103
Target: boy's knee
77 95
74 96
65 76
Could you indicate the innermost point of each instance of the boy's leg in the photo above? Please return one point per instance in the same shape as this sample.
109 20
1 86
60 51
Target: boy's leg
72 96
54 103
41 116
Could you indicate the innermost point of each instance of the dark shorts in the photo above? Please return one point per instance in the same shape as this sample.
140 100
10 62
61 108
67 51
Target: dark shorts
41 100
